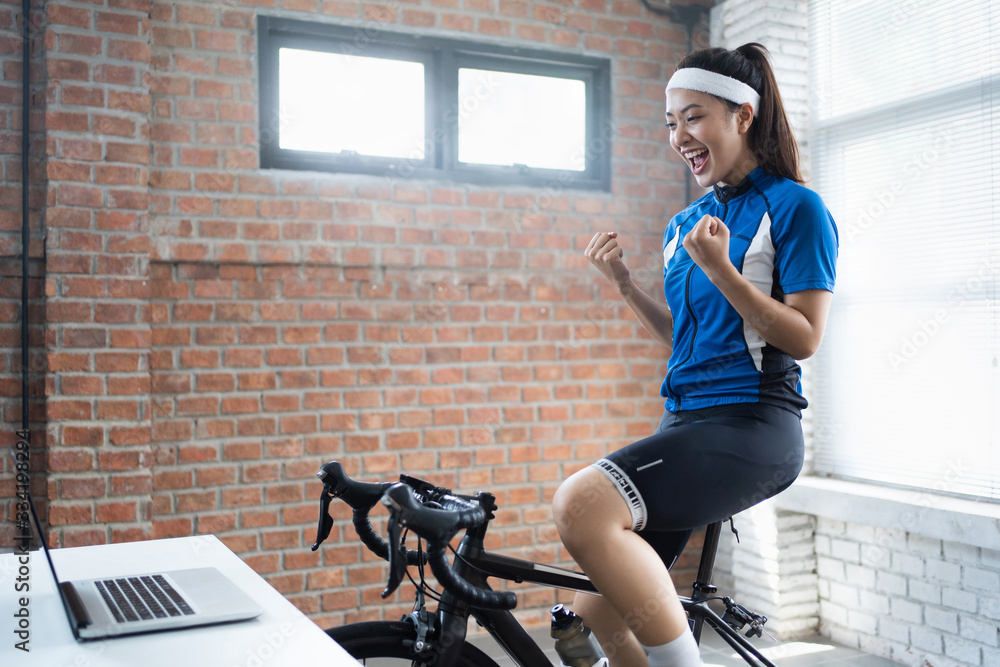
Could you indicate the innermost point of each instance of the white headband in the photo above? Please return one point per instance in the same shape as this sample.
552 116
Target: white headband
720 85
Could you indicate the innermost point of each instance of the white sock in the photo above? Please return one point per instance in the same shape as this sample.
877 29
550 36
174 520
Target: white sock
681 652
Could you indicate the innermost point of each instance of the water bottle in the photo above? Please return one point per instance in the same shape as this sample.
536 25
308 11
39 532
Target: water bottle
575 643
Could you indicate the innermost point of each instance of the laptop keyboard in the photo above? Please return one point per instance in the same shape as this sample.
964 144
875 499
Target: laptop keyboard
142 598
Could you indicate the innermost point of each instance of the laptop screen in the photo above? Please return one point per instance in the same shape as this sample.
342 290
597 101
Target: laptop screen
43 541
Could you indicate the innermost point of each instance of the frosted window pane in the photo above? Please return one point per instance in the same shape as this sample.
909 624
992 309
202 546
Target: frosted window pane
904 147
509 119
886 52
330 103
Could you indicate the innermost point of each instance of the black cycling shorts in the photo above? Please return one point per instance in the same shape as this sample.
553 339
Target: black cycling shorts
703 466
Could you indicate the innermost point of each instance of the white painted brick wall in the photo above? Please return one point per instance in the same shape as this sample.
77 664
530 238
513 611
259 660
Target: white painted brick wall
774 568
926 602
773 571
781 26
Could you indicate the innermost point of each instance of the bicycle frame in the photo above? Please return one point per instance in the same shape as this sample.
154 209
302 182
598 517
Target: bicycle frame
445 631
475 565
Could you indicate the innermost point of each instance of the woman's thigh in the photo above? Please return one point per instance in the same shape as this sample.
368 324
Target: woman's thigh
706 467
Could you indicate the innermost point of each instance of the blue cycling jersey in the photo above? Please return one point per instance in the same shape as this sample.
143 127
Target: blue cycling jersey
783 240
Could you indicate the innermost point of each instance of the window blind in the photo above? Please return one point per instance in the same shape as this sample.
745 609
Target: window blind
905 132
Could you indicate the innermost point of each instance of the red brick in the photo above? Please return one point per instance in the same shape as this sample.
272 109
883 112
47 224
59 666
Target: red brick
129 24
215 382
132 51
116 512
81 385
214 40
118 410
70 514
215 476
176 37
181 479
240 405
417 18
163 528
68 410
127 460
86 45
177 430
68 69
217 523
68 460
131 485
242 497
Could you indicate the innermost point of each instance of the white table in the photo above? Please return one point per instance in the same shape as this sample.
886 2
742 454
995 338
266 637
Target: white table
281 636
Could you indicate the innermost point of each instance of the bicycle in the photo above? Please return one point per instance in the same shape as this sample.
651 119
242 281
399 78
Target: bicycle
424 638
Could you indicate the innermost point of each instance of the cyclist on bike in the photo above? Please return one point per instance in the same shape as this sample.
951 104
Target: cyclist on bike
749 271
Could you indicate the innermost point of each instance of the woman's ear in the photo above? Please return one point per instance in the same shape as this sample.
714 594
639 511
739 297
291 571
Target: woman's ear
744 118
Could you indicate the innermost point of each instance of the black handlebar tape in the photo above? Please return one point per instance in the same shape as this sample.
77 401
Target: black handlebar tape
433 524
356 494
477 597
361 497
375 543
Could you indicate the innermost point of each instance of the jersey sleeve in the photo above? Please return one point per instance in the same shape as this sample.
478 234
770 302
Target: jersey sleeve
806 245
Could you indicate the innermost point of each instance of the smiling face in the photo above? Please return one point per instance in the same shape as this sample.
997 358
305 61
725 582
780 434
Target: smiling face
711 139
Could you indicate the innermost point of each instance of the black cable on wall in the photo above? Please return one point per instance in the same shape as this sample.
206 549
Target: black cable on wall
25 222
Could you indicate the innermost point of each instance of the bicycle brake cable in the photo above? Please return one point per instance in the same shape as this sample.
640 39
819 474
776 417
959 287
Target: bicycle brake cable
422 587
467 561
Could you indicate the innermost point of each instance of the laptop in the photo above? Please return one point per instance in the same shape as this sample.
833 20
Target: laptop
129 604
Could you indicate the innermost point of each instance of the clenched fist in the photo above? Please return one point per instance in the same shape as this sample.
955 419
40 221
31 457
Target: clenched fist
708 245
606 254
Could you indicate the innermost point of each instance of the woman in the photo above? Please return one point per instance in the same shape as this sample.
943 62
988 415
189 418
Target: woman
749 271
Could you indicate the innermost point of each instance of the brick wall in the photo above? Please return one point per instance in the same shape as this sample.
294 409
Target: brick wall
214 331
97 311
916 600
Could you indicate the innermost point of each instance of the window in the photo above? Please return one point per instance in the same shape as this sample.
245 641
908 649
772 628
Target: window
906 153
367 100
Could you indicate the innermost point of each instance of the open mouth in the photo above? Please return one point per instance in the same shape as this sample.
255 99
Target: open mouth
697 160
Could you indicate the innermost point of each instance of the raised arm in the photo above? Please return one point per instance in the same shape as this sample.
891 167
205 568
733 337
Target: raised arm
795 326
606 254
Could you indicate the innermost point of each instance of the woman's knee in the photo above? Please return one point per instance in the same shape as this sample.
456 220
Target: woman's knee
586 501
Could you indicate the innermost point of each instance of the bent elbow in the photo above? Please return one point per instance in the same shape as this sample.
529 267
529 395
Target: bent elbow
805 349
803 354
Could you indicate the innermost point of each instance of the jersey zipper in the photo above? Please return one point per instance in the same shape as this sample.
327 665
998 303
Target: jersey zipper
690 310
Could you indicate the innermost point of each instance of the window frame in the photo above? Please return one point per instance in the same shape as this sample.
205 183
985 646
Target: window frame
442 58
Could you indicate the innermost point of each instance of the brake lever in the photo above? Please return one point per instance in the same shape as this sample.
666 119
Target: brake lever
397 555
325 520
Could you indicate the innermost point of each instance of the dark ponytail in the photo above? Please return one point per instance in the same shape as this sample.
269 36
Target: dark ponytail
770 136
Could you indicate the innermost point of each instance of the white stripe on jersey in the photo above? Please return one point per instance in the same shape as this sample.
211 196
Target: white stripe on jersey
670 248
758 268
